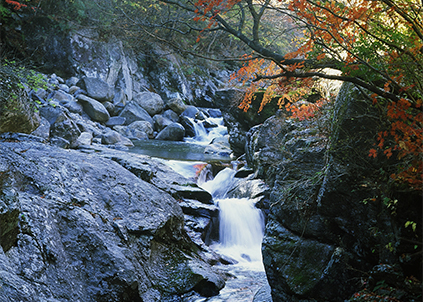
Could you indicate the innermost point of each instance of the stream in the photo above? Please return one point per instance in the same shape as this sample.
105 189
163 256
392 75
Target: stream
241 224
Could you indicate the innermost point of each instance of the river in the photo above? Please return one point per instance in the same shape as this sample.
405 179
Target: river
241 224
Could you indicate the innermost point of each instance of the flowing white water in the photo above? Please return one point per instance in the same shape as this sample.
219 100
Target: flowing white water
204 136
241 224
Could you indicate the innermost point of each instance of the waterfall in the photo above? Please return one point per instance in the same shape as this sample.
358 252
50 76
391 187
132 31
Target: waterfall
241 224
203 135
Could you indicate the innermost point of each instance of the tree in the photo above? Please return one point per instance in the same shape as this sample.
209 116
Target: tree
375 44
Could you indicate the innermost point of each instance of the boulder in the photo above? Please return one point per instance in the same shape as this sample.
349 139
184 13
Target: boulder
172 132
43 129
111 137
141 126
134 112
84 139
176 105
160 122
94 109
171 115
65 128
150 101
189 125
190 111
96 88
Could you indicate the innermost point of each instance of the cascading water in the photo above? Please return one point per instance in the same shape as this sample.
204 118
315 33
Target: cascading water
241 224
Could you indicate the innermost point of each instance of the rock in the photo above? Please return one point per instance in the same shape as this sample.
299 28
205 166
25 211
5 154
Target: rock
176 105
112 137
74 89
141 126
150 101
43 129
51 113
96 88
219 146
110 107
73 106
94 109
313 268
171 115
65 128
160 175
84 139
190 111
172 132
134 112
115 121
72 81
16 114
189 125
82 228
62 95
131 133
60 142
160 122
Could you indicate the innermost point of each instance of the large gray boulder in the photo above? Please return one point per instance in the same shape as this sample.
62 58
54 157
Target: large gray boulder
94 109
150 101
79 227
172 132
96 88
134 112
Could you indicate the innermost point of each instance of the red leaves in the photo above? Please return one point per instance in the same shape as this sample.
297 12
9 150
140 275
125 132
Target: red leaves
17 5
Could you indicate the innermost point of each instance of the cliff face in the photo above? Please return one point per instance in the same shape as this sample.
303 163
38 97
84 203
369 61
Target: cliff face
333 217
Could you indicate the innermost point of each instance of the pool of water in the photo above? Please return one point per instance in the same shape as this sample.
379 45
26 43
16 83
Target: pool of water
175 150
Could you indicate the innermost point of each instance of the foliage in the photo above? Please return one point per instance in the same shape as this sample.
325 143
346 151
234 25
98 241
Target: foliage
375 44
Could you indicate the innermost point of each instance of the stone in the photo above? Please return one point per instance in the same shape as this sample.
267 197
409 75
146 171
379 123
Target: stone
190 111
134 112
189 125
171 115
142 126
96 88
150 101
176 105
94 109
43 129
172 132
160 122
115 121
84 228
65 128
112 137
84 139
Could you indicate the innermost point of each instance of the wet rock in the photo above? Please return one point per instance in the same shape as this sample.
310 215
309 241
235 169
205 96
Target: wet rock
189 125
